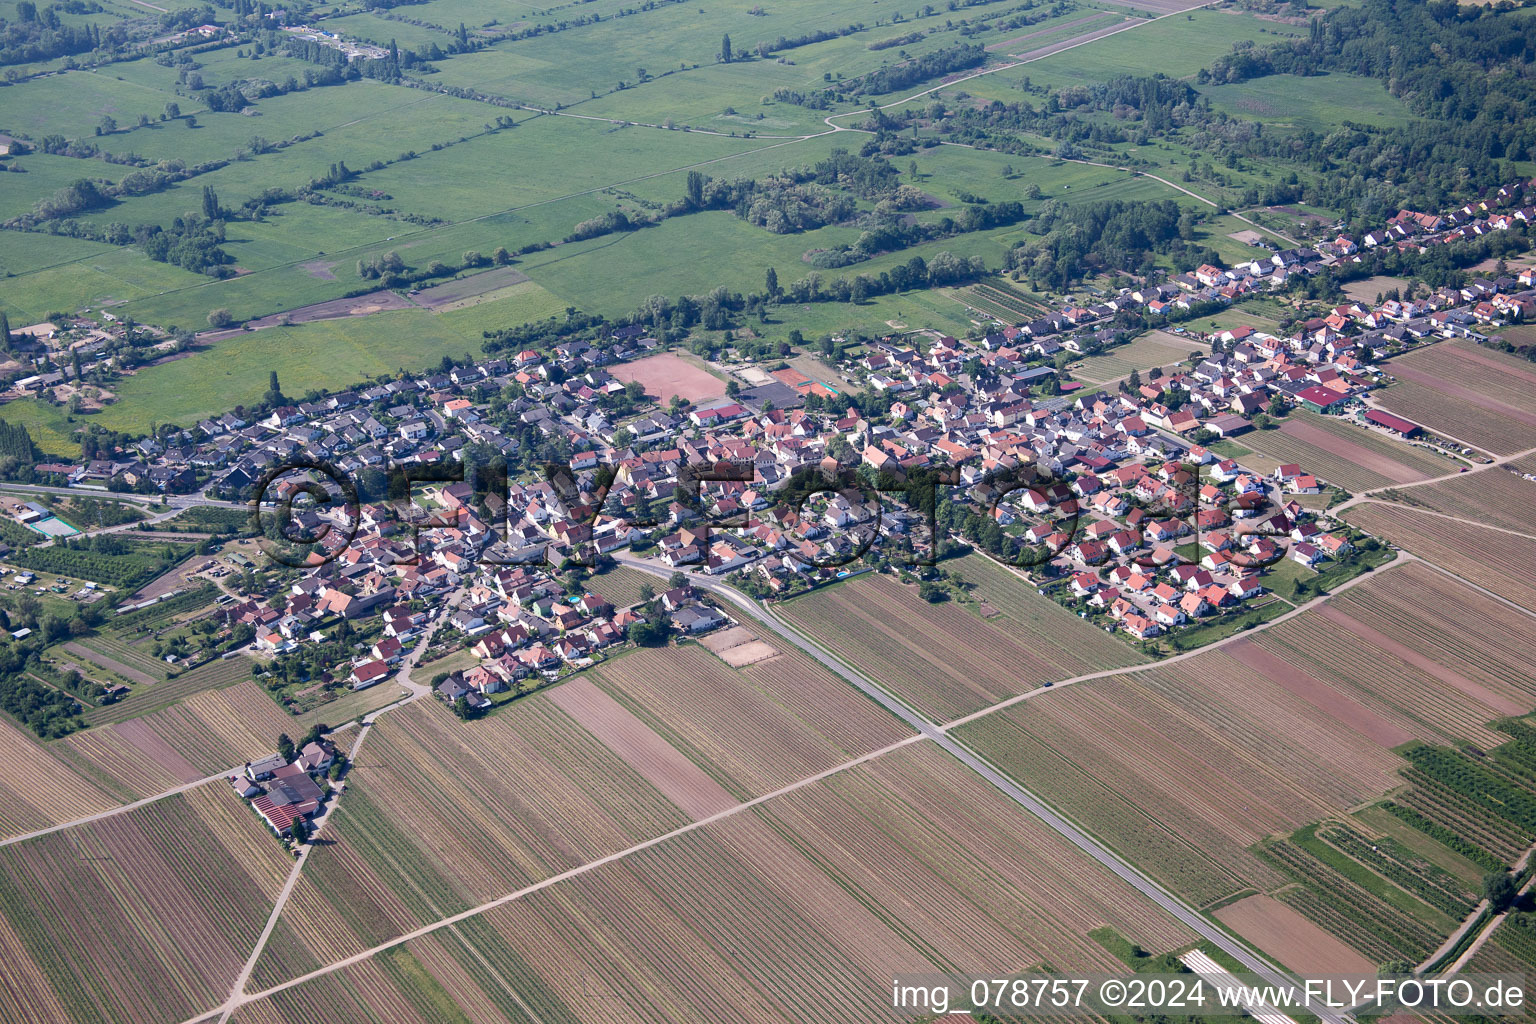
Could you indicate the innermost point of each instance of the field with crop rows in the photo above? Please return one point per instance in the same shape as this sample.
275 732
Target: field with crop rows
906 863
80 938
1500 562
1344 454
114 654
1391 861
1410 655
1442 847
1120 754
1495 497
1344 908
1003 301
36 790
945 660
209 731
1472 394
1153 349
621 586
211 676
1483 828
439 816
753 729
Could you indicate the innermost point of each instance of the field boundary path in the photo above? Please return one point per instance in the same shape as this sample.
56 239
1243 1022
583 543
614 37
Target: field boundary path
543 884
1488 929
417 691
1152 890
1368 495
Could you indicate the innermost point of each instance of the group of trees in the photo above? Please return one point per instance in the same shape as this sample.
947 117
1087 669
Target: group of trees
1457 66
890 78
38 35
191 242
1085 238
16 443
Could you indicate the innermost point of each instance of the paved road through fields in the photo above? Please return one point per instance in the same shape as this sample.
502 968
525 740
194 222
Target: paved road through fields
1149 888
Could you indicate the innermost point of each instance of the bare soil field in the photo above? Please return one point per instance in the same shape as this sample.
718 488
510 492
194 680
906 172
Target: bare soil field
1496 497
725 639
738 647
335 309
678 778
667 374
463 288
1477 395
321 270
949 661
1344 454
1291 939
749 653
908 863
1500 562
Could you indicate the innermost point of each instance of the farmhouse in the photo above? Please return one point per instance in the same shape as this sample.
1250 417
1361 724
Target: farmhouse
368 673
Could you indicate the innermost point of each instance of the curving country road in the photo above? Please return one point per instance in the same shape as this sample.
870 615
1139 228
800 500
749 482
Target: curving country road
1149 888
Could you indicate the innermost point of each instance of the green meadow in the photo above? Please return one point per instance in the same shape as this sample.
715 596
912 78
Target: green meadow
433 179
329 354
1318 102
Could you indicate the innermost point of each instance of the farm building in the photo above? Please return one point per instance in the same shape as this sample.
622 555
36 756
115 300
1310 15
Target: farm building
256 771
1320 399
1228 424
1393 424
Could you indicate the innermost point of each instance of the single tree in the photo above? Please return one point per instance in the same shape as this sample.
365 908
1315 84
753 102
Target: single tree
725 49
285 747
300 831
1499 890
771 282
